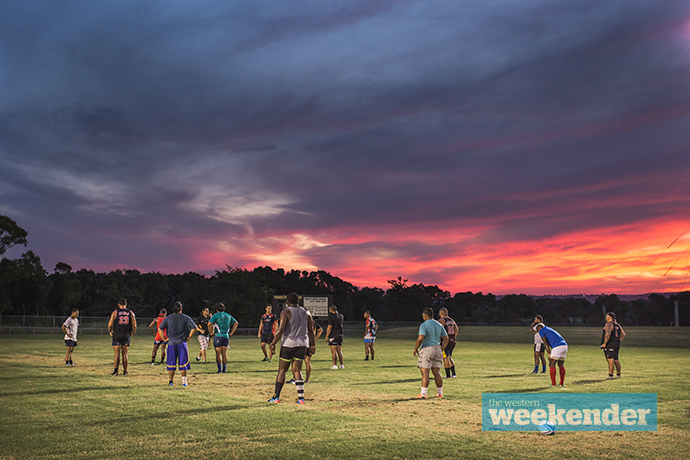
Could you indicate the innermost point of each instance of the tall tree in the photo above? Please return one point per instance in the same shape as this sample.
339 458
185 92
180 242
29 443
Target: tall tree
11 234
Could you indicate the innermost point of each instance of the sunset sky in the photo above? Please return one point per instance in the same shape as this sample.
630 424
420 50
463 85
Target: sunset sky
537 147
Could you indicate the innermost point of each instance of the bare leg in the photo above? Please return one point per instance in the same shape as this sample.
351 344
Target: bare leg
125 360
116 361
437 377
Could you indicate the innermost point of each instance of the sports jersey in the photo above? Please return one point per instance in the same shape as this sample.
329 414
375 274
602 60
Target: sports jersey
160 337
432 331
177 326
555 339
335 320
202 322
370 327
71 324
615 338
450 326
122 326
537 339
296 331
224 321
267 322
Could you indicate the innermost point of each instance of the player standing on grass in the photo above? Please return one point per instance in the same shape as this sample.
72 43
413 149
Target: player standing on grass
538 346
370 328
297 333
69 327
334 335
451 328
179 328
160 338
431 340
221 339
557 349
318 330
611 337
266 327
202 329
122 326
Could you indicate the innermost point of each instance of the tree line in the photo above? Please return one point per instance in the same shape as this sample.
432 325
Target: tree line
26 288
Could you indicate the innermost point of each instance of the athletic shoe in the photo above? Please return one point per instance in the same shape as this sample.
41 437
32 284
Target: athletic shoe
617 376
264 360
534 372
67 364
543 372
219 372
184 384
170 384
342 366
125 373
274 400
454 376
291 381
334 367
114 373
198 359
300 401
421 396
439 396
153 364
366 359
609 377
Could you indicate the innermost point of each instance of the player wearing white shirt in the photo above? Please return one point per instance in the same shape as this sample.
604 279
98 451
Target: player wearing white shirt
70 327
538 346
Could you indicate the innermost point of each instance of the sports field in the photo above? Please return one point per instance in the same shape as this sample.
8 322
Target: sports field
366 411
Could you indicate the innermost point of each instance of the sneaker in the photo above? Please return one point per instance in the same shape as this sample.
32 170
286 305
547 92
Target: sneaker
617 376
543 372
300 401
366 359
609 377
125 373
421 396
170 384
67 364
198 358
439 396
264 360
291 381
534 372
334 367
184 384
274 400
153 363
342 366
114 373
454 376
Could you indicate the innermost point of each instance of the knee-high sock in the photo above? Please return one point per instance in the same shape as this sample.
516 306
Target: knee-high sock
299 384
561 371
552 371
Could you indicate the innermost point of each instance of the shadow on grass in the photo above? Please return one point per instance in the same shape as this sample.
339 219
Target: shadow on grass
525 390
587 382
509 375
395 367
385 382
66 390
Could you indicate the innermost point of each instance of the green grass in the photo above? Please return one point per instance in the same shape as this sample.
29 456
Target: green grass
366 410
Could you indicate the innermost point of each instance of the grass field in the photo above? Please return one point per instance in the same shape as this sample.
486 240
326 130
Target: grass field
367 410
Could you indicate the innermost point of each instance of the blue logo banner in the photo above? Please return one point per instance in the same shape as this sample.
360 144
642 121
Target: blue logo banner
569 412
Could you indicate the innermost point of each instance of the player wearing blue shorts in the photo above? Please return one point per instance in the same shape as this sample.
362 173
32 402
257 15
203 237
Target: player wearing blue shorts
69 327
370 328
221 340
557 349
179 328
122 326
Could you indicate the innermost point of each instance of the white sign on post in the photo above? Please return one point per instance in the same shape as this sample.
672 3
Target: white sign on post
317 306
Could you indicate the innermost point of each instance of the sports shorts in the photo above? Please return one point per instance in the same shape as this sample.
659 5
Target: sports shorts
335 341
293 353
122 341
178 357
539 347
70 343
559 352
611 353
203 341
220 342
448 352
267 337
430 357
159 342
369 339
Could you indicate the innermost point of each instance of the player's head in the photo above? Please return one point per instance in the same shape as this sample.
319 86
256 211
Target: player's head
610 316
220 306
367 315
539 327
74 313
293 299
333 309
443 312
163 312
205 311
122 302
269 308
177 307
428 313
539 319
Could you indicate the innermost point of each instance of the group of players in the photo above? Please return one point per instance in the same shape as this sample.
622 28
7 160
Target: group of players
297 331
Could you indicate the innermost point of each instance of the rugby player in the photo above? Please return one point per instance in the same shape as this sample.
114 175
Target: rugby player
179 328
557 349
70 327
538 346
334 336
266 328
122 326
159 339
370 328
611 337
431 340
451 328
221 339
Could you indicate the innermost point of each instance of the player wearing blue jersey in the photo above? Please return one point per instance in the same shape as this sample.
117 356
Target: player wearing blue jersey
221 340
432 339
557 349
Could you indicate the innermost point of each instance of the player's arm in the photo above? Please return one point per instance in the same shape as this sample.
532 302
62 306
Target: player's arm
284 319
376 327
607 336
622 332
64 329
153 327
111 322
193 330
134 324
328 331
547 344
260 325
310 331
417 344
234 327
319 331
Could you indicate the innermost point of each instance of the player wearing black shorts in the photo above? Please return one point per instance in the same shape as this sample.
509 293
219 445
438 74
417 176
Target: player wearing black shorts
122 326
334 336
266 326
611 337
451 328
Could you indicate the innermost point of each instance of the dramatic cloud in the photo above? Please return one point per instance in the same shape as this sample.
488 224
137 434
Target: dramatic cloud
534 146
